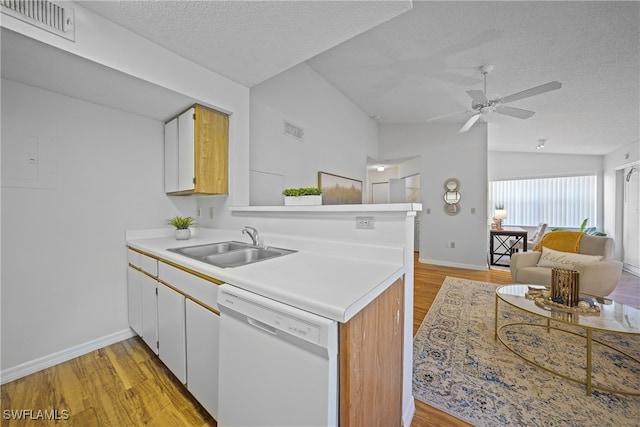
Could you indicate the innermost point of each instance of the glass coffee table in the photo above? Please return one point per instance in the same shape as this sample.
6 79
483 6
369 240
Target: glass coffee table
614 317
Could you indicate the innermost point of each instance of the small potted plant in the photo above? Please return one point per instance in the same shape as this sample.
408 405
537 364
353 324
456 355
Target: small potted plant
182 224
302 196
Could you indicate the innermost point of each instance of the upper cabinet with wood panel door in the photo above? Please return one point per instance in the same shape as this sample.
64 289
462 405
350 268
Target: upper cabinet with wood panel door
196 152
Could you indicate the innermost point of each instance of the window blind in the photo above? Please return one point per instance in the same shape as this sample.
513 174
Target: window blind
559 202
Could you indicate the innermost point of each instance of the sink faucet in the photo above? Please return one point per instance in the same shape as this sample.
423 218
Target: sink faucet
253 233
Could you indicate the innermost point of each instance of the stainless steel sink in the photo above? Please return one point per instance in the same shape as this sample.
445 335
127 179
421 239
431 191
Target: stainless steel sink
201 251
230 254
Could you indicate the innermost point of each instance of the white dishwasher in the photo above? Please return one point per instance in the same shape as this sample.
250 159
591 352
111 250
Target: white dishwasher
278 364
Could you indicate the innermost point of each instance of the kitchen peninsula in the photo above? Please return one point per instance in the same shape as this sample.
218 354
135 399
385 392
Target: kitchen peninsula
348 275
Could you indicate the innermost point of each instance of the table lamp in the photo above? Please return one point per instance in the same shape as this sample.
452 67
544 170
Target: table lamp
498 216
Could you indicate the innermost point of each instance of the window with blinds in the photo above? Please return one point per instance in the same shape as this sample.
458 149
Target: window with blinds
559 202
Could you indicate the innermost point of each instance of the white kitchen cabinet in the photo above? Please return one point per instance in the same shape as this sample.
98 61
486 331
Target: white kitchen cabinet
149 311
203 331
171 331
175 313
134 299
196 152
171 156
140 266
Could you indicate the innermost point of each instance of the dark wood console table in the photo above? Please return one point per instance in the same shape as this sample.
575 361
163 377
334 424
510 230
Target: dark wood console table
507 239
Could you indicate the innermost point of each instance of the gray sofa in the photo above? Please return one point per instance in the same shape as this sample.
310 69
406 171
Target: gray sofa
597 278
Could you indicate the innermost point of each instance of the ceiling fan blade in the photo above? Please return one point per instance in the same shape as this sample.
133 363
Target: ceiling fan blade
444 116
515 112
532 92
469 123
478 97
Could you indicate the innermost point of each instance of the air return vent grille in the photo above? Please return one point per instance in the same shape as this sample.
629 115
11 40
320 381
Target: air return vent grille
294 131
43 14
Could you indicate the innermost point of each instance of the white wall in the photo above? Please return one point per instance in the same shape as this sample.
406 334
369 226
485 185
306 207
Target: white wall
614 162
106 43
505 165
445 153
338 136
61 290
63 254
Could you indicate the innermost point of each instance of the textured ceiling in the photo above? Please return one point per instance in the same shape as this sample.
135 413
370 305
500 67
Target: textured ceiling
420 65
247 41
409 65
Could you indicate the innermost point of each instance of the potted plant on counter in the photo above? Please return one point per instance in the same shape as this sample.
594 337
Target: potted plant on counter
182 224
302 196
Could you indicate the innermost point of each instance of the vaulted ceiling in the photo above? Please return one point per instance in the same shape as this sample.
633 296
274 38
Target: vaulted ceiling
410 63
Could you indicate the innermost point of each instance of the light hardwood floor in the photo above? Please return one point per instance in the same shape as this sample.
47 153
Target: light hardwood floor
126 385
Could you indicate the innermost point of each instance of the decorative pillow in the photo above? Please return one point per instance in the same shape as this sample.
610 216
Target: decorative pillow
568 260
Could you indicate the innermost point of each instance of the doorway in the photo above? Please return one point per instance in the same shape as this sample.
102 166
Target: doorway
631 220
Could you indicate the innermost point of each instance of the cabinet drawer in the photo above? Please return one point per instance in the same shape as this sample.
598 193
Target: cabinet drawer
133 258
148 264
143 262
193 286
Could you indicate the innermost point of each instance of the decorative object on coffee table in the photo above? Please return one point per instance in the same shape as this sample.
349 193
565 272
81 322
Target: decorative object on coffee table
565 287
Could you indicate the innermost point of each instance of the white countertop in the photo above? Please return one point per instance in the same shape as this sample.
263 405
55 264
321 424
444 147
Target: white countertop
331 279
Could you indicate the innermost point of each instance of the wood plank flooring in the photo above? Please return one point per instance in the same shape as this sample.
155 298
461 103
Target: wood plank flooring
126 385
427 282
121 385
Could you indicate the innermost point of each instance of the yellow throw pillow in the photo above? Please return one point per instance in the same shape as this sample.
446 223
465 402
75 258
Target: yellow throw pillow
568 260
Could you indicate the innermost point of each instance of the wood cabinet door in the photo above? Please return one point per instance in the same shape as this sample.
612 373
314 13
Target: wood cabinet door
371 362
212 151
203 334
171 331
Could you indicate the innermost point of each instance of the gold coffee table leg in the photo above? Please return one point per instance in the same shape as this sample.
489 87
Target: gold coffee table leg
588 361
495 335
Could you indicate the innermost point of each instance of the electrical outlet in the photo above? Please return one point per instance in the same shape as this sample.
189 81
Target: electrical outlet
198 212
365 222
211 212
452 245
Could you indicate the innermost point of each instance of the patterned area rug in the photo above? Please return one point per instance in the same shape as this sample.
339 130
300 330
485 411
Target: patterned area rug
460 369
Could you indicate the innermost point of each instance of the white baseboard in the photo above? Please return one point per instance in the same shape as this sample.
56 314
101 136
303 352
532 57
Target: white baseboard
27 368
452 264
408 413
631 269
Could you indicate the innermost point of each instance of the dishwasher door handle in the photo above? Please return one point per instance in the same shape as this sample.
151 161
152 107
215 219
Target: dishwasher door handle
263 326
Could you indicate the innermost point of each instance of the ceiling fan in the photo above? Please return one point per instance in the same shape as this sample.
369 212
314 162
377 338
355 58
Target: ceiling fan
481 105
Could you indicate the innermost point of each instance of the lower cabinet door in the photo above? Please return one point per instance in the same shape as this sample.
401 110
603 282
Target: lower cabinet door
134 299
203 332
149 311
171 331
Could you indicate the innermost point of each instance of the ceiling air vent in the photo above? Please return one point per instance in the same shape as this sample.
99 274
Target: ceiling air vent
43 14
294 131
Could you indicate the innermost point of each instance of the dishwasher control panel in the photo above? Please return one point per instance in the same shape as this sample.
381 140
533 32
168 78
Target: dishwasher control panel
270 315
297 327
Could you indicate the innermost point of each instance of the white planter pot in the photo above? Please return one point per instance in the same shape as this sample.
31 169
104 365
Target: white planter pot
183 234
303 200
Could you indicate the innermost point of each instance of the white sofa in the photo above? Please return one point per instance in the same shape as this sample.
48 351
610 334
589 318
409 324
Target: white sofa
597 278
